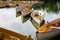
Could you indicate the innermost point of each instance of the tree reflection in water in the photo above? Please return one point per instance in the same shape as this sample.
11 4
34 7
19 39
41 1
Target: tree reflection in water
49 6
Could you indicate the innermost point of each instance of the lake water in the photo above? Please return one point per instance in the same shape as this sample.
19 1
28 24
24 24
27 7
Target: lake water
8 20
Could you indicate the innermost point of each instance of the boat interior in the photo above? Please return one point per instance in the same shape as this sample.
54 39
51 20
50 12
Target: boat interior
10 35
49 25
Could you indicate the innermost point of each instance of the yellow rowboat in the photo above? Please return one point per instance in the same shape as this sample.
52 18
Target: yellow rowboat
52 24
10 35
37 16
49 30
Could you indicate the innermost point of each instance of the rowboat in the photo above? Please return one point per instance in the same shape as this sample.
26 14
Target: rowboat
48 35
26 11
49 30
37 16
10 35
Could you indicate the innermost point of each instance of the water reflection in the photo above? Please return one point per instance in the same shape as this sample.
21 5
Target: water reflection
49 6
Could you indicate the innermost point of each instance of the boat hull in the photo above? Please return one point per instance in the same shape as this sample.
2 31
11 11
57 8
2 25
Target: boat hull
47 35
40 16
46 32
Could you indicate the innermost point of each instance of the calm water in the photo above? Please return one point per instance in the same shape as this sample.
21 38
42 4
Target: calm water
8 19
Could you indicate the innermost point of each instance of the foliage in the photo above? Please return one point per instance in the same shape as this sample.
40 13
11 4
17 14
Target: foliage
49 6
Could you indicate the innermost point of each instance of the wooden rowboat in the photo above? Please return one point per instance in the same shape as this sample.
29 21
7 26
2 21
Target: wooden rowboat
10 35
48 35
49 30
